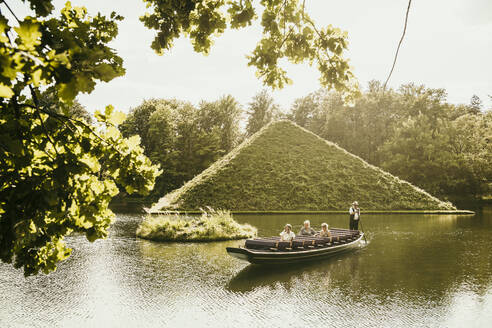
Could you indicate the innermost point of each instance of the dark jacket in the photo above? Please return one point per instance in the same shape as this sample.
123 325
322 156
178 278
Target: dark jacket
354 210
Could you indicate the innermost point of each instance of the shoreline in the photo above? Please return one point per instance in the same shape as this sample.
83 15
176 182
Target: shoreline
436 212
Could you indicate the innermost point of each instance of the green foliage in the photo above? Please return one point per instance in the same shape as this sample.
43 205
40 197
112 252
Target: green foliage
285 167
261 111
69 52
59 172
449 158
49 100
360 128
412 132
223 116
41 7
183 139
211 226
288 33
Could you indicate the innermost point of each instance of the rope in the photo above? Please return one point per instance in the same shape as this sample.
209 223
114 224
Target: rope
399 44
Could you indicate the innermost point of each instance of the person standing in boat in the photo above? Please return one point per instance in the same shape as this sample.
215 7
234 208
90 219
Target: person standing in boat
307 230
287 234
354 212
325 232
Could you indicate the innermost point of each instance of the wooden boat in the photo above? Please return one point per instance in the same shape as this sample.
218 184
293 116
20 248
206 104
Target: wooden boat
272 250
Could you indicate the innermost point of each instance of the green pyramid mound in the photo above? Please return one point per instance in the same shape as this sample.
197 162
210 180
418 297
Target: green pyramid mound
284 167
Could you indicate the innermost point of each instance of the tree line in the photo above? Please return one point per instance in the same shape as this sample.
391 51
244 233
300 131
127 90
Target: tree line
412 132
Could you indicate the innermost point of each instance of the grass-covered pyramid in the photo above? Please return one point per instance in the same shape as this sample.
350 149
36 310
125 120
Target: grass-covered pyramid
284 167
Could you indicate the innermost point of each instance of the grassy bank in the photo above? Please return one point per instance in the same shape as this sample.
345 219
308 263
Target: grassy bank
284 167
212 226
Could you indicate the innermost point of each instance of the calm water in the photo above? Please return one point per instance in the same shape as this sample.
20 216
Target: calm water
416 271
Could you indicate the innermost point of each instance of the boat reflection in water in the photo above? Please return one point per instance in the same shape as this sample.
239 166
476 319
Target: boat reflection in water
287 276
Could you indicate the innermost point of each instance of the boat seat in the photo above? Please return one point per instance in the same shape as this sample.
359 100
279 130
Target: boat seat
267 244
338 236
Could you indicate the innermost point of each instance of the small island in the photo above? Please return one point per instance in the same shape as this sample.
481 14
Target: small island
210 226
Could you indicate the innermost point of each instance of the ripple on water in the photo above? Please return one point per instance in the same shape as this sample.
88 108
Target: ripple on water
417 271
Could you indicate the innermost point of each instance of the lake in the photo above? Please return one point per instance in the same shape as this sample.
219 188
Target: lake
415 271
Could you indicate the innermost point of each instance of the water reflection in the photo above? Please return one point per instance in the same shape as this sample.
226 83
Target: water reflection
423 257
315 273
417 270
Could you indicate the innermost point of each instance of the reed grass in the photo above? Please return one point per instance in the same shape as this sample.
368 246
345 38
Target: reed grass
210 226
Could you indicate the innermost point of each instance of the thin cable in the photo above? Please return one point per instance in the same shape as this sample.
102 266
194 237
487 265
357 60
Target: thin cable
11 11
399 44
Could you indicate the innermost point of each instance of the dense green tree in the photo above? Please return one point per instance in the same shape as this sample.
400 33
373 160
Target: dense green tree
184 139
471 142
360 128
58 172
373 117
448 158
305 111
139 119
418 152
137 122
155 122
160 146
224 116
261 111
196 148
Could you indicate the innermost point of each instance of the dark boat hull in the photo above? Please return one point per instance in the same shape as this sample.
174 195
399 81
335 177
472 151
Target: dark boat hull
281 257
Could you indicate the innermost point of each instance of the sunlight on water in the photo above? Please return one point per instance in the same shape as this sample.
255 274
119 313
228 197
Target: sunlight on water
417 270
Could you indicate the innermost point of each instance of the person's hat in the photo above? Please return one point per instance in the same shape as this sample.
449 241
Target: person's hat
324 224
355 203
288 225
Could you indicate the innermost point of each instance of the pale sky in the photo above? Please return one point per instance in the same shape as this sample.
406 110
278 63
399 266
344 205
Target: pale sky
448 45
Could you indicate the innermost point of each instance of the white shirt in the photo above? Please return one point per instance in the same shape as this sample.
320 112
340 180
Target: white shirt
287 236
354 211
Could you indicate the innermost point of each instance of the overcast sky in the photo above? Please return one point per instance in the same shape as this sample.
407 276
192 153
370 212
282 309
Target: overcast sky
448 45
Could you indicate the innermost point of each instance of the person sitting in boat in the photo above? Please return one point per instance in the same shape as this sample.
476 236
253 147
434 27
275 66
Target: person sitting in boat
287 234
325 232
307 230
